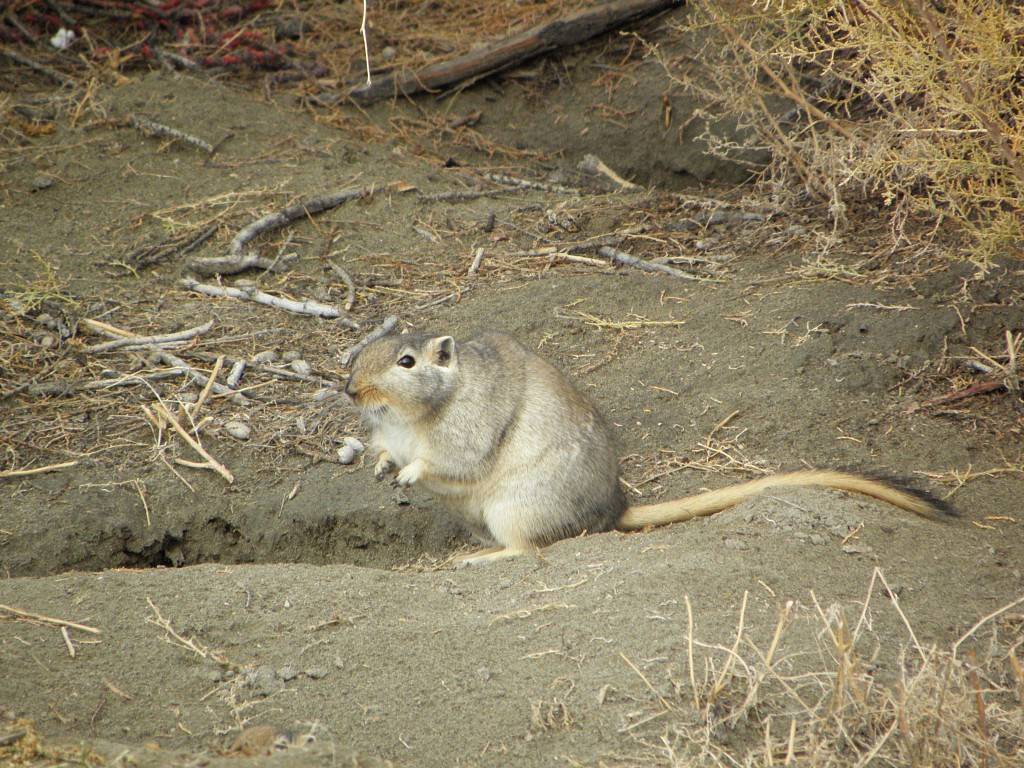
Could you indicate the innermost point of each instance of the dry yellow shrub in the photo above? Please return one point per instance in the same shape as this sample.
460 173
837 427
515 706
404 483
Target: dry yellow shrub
919 104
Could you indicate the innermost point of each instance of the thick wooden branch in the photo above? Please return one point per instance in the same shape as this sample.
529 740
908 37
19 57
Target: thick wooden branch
570 30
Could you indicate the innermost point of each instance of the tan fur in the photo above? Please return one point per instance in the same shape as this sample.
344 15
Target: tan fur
504 439
710 502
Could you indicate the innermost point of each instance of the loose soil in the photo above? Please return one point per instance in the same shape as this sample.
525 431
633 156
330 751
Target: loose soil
307 597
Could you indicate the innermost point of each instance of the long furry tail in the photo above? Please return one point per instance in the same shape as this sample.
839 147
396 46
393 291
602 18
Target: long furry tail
710 502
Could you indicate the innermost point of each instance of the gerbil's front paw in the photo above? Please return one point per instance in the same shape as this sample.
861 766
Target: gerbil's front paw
384 466
410 473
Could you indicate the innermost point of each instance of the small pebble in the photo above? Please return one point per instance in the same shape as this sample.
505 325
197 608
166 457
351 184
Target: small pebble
346 454
324 394
300 366
40 182
263 681
293 30
388 53
355 444
287 673
235 375
315 673
238 430
290 354
63 39
857 549
263 358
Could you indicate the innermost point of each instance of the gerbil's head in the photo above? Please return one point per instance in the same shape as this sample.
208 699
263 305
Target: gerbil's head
410 374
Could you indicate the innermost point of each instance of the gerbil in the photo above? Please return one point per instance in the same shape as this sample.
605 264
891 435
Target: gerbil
503 437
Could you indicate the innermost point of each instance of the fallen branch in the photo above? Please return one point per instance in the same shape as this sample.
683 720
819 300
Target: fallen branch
278 219
174 245
512 181
960 394
53 74
151 128
165 357
579 259
350 285
623 258
241 365
143 341
104 329
65 388
232 265
308 307
459 196
569 30
385 328
175 58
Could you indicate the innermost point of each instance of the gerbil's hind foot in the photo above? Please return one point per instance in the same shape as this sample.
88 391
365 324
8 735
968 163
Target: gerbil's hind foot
489 555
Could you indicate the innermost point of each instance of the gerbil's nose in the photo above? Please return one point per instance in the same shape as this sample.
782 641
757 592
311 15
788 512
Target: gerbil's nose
349 389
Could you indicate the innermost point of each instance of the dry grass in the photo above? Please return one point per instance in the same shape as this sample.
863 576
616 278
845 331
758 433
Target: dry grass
903 103
20 745
761 703
315 43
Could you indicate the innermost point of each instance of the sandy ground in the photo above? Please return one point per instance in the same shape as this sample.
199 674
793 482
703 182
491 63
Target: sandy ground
306 598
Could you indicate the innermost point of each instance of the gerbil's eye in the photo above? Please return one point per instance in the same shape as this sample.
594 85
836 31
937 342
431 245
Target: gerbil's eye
407 361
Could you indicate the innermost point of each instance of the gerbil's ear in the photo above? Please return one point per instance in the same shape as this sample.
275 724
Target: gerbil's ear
442 351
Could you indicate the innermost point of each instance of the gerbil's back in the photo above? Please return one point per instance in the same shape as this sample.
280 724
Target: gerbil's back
516 379
559 460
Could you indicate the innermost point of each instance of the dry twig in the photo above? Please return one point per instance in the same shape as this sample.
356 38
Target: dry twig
305 307
36 470
177 639
317 205
48 620
593 164
139 342
162 413
235 263
385 328
152 128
